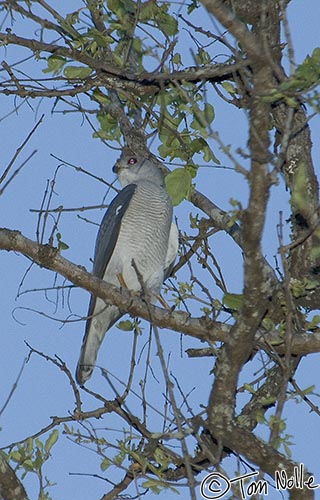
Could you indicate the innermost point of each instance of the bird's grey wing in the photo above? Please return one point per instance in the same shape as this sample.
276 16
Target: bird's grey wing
107 237
104 315
109 229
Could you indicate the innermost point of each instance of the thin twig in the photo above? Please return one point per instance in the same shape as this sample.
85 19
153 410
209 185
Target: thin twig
20 148
16 172
14 387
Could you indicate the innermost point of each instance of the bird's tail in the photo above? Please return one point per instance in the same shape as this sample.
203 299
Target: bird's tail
96 328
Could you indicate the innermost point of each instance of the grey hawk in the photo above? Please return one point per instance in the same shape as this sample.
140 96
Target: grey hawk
136 227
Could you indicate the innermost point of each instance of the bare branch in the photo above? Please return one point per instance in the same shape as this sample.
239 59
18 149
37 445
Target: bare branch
18 151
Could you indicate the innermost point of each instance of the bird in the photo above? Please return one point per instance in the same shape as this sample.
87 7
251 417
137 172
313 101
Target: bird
136 239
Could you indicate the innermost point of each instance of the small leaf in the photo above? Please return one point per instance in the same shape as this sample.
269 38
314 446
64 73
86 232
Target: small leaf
105 464
15 456
249 388
203 118
208 155
192 169
292 102
209 112
153 485
51 441
61 244
287 450
192 6
157 486
178 185
101 97
314 323
55 64
107 122
309 390
168 25
233 301
77 72
203 57
29 445
268 323
177 59
126 325
28 464
229 87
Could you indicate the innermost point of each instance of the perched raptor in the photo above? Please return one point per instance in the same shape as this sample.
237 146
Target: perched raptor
136 227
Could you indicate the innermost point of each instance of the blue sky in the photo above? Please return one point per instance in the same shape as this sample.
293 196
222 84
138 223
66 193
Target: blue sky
43 391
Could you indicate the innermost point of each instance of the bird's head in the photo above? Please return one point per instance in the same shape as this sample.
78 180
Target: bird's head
132 168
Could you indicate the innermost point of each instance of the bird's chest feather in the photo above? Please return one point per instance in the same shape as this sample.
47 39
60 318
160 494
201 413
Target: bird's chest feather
143 238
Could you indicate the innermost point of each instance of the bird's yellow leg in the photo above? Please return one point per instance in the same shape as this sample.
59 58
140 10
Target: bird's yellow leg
163 302
158 296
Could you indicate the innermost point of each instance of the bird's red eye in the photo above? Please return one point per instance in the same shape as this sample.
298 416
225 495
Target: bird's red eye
132 161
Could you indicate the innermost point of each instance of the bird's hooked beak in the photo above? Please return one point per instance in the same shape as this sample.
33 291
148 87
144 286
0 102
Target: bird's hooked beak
116 167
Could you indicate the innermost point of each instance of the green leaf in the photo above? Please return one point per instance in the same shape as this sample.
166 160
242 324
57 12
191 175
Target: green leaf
203 57
153 485
51 441
192 6
229 87
292 102
126 325
203 118
208 155
100 96
198 145
61 244
15 456
55 64
192 169
39 444
29 445
287 450
268 323
72 18
233 301
102 40
28 464
157 486
177 59
167 24
77 72
249 388
105 464
314 323
107 122
178 185
308 390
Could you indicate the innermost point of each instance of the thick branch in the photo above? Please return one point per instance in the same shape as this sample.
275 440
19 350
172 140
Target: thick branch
300 177
49 257
200 328
235 353
267 458
10 486
52 48
249 42
140 84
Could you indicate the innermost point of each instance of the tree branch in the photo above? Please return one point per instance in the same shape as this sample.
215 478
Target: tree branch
11 487
50 258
